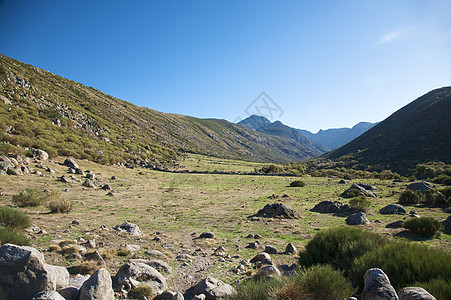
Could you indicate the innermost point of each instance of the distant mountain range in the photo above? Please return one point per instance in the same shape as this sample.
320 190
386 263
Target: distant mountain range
419 132
324 140
42 110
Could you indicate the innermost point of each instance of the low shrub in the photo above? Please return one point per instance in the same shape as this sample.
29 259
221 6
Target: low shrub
123 252
86 267
29 197
60 206
353 193
297 183
54 248
433 198
14 218
144 290
324 282
360 202
423 225
256 289
7 235
404 263
442 179
439 288
71 249
339 247
410 197
291 289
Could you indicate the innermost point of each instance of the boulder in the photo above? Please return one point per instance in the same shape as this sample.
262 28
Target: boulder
131 228
158 264
357 219
415 293
98 286
395 225
5 100
290 249
269 270
169 295
261 257
422 186
271 249
69 293
377 286
278 210
71 163
362 190
48 295
23 273
136 273
447 225
5 163
393 209
334 207
40 154
207 235
14 171
213 289
89 183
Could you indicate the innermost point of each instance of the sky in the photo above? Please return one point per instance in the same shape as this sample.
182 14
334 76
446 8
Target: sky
310 64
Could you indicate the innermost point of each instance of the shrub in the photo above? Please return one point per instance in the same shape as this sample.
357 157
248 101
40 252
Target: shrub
291 289
423 225
439 288
13 218
69 249
404 263
297 183
433 198
54 248
324 282
271 169
353 193
360 202
409 197
86 267
29 197
339 247
144 290
123 252
57 205
256 289
442 179
7 235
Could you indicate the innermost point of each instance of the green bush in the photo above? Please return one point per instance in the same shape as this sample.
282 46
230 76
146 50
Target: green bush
7 235
433 198
353 193
404 263
410 197
13 218
29 197
339 247
58 205
324 282
256 289
442 179
144 290
360 202
271 169
439 288
297 183
423 225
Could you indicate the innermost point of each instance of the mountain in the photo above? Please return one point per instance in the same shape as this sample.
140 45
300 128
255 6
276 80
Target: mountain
277 128
419 132
39 109
337 137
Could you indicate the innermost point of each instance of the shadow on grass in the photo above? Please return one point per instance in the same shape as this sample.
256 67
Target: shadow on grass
414 236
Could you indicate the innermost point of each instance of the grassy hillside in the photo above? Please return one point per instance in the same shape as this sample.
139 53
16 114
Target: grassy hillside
417 133
42 110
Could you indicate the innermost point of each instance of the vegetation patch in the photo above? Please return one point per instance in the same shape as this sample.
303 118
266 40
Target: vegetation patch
13 218
29 197
423 225
7 235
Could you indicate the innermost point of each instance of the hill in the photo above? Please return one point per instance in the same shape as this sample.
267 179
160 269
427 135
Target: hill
337 137
417 133
42 110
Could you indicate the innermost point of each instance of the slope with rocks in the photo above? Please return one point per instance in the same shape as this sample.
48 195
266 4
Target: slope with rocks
39 109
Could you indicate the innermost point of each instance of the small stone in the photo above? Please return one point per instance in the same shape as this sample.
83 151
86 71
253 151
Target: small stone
207 235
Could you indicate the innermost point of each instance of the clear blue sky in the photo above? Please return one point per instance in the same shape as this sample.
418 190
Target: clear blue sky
324 63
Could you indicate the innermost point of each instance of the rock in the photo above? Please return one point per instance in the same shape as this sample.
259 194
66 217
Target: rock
169 295
422 186
131 228
48 295
136 274
213 289
220 251
158 264
334 207
199 297
261 257
51 171
394 225
40 154
95 256
250 236
447 225
132 247
357 219
23 273
271 249
77 282
89 183
5 163
98 286
207 235
14 171
415 293
5 100
278 210
290 249
71 163
393 209
342 181
69 293
155 253
377 286
269 270
184 257
253 245
362 190
69 179
90 175
106 187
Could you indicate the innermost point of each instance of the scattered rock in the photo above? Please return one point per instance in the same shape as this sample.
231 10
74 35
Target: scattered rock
5 163
14 171
220 251
257 236
158 264
278 210
136 274
415 293
271 249
334 207
213 289
290 249
253 245
106 187
263 258
357 219
422 186
267 271
71 163
5 100
131 228
95 256
69 293
377 286
342 181
155 253
447 225
48 295
169 295
394 225
89 183
364 189
40 154
393 209
207 235
98 286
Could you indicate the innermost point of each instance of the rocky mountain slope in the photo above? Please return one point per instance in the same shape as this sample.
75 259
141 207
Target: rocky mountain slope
417 133
39 109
